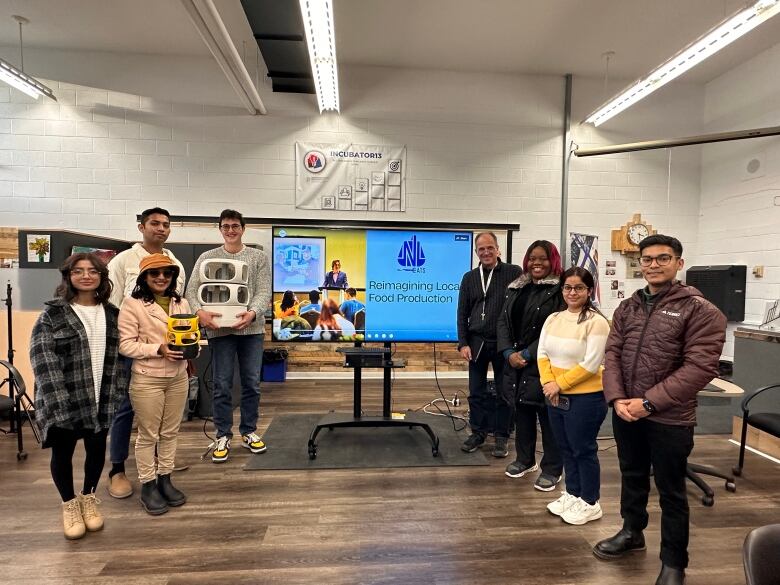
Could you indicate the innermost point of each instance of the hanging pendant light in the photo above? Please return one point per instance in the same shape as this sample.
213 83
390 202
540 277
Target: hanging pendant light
17 77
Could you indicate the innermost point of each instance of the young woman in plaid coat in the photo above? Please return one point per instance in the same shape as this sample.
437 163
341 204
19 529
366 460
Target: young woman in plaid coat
74 352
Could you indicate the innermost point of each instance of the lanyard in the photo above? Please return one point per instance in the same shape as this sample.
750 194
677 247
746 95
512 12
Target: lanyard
485 286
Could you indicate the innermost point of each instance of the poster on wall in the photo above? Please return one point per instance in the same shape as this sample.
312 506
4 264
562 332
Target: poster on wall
104 254
350 177
38 248
585 253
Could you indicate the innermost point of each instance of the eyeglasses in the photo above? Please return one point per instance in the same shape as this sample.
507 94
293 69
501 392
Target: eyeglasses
580 288
82 271
165 272
661 260
230 227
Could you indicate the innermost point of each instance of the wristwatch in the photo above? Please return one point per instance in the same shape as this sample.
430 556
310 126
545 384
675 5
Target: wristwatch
648 406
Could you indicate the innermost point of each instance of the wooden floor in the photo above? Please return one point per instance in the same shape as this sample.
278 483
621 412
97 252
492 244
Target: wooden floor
420 526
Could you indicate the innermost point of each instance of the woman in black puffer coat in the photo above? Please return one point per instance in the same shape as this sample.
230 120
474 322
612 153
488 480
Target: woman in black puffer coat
529 301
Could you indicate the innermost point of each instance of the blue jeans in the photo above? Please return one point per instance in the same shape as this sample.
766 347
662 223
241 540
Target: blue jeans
575 431
122 425
249 349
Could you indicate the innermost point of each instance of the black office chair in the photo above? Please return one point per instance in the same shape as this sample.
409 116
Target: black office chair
769 422
14 408
760 556
695 470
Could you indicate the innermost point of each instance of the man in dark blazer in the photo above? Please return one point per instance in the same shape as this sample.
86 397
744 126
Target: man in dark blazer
481 296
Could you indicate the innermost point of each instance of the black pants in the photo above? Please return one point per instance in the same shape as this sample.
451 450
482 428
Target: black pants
488 413
525 439
63 445
640 445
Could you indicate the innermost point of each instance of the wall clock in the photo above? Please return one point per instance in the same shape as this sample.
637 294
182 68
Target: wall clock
626 239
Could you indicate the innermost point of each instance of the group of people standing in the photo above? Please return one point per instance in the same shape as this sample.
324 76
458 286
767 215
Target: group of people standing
558 362
101 358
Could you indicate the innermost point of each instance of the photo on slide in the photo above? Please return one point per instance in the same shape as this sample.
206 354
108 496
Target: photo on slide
299 263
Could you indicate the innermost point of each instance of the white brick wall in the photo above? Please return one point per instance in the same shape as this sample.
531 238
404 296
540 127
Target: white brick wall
104 152
740 210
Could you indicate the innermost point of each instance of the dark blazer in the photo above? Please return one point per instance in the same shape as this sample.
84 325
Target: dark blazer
524 385
473 330
340 281
61 362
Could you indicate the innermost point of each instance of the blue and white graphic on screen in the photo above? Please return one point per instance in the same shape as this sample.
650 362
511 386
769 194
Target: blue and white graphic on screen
411 254
412 284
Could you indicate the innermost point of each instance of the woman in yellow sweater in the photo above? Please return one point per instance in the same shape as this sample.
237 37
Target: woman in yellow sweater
571 352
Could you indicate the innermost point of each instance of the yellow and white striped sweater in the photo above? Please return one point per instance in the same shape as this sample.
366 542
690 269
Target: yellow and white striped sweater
572 353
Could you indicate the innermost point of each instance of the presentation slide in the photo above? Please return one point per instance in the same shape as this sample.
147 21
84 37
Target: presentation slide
394 285
412 282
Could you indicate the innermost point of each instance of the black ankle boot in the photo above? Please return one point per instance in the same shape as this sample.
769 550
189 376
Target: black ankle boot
151 499
170 494
623 542
670 576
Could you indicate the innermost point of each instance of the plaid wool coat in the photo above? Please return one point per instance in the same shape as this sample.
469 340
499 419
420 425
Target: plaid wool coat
61 362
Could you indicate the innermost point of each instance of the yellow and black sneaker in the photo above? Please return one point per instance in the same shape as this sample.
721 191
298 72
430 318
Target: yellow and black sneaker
221 450
253 442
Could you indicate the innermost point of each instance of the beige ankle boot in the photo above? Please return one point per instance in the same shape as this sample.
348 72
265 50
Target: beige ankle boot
89 512
72 522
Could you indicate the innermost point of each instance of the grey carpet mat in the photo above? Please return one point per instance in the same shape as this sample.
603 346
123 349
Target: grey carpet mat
360 447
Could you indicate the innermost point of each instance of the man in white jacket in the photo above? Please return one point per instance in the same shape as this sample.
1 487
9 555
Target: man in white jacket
123 270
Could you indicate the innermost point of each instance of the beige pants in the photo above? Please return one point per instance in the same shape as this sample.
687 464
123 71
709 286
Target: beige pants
158 404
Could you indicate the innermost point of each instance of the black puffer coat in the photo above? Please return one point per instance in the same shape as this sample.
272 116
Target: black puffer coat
523 386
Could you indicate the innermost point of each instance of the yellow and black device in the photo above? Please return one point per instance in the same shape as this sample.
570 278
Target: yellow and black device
183 335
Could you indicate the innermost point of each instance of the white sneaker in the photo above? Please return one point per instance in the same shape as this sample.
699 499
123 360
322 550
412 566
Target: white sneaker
559 506
581 512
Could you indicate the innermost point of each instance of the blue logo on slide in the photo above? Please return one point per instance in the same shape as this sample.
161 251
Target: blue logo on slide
411 254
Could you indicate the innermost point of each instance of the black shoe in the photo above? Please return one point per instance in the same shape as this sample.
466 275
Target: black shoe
500 448
670 576
473 443
623 542
151 499
169 493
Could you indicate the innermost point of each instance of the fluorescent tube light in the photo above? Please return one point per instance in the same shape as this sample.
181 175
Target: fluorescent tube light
23 82
321 39
707 45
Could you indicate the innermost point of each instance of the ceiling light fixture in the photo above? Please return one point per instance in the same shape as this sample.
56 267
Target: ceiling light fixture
321 39
17 77
714 40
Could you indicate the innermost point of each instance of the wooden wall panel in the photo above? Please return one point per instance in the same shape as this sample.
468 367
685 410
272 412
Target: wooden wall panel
9 242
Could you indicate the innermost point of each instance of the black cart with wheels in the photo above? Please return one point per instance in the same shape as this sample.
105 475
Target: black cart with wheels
371 357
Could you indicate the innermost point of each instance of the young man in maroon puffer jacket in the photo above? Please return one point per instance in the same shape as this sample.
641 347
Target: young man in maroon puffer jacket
664 347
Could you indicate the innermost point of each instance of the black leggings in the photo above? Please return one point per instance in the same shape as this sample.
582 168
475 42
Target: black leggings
63 445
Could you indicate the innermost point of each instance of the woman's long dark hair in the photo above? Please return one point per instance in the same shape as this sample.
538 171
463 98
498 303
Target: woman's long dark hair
67 292
587 279
288 300
143 292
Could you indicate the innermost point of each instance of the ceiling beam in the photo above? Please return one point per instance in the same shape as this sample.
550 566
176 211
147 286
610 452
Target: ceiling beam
207 21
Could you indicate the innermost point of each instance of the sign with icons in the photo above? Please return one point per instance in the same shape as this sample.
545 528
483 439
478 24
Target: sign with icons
350 177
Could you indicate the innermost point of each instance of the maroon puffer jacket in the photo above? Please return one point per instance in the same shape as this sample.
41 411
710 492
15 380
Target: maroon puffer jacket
665 355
